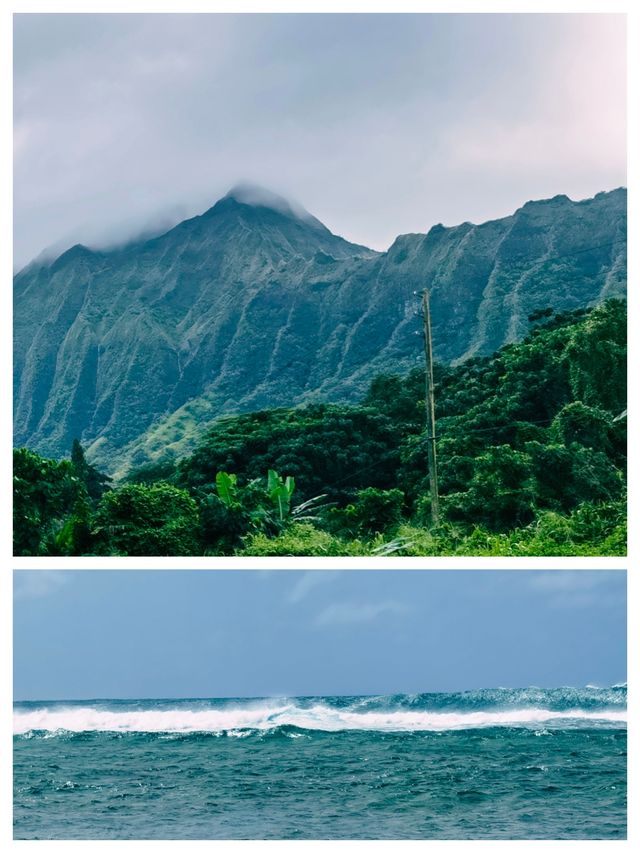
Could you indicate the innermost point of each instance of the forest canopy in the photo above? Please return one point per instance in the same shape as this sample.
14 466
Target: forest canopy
531 447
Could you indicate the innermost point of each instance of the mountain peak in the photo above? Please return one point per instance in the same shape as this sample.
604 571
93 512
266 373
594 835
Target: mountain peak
254 195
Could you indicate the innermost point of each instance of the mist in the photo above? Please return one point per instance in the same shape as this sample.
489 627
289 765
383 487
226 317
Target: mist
376 124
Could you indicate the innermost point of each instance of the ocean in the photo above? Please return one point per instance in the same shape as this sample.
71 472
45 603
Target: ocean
495 764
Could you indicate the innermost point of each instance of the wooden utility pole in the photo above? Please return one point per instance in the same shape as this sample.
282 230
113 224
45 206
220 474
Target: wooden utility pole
430 409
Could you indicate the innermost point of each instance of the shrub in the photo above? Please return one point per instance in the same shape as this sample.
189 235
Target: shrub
373 511
301 540
582 424
148 520
501 493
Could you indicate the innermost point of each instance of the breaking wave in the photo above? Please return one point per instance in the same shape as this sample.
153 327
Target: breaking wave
430 712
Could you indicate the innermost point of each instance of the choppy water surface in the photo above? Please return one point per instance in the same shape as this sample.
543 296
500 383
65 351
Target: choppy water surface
526 763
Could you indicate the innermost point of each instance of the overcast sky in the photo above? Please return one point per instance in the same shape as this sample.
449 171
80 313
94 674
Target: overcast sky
170 634
377 124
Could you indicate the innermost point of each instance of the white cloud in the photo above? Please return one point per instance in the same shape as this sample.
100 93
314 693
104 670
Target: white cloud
577 589
346 613
37 583
308 581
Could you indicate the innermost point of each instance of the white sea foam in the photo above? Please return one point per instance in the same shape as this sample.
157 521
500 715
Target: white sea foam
318 717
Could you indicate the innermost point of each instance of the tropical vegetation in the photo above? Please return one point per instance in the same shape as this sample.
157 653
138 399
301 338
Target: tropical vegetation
531 446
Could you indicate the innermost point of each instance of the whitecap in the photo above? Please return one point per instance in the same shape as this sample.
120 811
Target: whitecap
317 717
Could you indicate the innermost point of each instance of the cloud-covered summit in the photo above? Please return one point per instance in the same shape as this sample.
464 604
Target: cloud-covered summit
256 195
383 124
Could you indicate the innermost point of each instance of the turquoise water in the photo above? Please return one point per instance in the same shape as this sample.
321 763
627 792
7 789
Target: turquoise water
511 764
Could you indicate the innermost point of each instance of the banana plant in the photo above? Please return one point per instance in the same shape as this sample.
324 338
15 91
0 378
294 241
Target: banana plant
280 492
227 488
267 509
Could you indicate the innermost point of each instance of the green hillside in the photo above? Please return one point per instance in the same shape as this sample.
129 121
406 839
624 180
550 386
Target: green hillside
135 351
532 459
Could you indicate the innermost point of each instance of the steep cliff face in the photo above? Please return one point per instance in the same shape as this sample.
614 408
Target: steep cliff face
257 304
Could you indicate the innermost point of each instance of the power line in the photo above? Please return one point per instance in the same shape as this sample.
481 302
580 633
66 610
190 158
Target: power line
497 427
545 421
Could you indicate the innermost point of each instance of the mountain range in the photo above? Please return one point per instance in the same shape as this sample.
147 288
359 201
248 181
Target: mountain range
256 304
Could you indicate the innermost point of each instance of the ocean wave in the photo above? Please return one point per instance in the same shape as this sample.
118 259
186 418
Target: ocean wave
368 714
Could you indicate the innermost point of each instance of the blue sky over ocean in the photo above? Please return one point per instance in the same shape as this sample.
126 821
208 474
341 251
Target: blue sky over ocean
171 634
378 124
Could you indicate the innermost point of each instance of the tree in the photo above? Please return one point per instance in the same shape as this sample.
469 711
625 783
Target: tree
147 520
95 481
328 449
501 493
586 425
596 357
47 495
373 511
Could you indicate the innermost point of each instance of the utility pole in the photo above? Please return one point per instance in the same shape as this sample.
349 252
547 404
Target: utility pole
430 409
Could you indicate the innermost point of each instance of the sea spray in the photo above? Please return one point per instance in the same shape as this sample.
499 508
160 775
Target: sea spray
402 713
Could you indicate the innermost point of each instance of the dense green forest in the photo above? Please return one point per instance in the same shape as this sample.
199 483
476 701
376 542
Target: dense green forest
531 451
